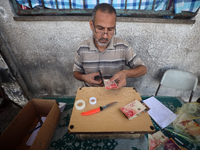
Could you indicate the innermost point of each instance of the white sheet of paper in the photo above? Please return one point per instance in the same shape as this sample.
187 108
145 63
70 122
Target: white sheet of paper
162 115
34 134
62 106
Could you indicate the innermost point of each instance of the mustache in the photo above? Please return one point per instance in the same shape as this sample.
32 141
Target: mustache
106 39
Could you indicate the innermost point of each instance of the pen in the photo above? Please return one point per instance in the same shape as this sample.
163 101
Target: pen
178 134
176 139
35 129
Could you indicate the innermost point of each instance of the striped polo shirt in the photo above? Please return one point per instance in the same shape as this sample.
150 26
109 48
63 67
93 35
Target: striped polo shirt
113 59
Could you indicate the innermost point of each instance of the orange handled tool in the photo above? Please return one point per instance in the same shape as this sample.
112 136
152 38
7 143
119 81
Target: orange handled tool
96 110
90 112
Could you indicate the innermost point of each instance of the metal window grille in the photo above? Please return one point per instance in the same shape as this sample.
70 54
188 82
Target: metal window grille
168 12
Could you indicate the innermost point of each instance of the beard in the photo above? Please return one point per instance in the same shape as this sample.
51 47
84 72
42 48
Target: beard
102 41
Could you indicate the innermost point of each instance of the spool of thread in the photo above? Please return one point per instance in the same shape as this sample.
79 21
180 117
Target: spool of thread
92 100
80 104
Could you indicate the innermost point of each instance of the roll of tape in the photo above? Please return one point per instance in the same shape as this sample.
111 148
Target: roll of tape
92 100
80 104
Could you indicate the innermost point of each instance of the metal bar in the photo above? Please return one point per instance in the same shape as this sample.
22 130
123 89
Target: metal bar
97 2
43 4
144 12
83 4
70 4
154 2
125 4
89 11
168 5
191 95
56 4
111 2
157 89
140 4
30 4
19 7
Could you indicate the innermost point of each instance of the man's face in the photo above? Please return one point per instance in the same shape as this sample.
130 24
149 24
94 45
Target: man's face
103 28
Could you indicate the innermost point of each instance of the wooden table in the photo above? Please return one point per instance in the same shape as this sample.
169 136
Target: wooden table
109 123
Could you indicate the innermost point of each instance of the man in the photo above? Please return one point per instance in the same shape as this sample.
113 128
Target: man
105 52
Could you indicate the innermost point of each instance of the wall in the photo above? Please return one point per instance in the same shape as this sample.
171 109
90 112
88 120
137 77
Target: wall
42 52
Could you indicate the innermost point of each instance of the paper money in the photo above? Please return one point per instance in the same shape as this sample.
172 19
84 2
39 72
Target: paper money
134 109
109 85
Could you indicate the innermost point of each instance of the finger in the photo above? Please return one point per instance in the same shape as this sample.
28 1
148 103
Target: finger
102 84
97 85
97 82
121 84
113 79
95 74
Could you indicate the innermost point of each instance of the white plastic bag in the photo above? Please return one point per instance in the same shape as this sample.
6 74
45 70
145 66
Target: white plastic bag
188 121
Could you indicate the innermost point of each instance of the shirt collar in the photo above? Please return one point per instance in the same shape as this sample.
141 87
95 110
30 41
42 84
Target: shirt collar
93 47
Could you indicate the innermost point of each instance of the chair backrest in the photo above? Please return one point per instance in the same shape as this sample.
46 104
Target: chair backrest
180 80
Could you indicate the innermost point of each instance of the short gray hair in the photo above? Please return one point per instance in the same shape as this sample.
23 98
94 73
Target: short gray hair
103 7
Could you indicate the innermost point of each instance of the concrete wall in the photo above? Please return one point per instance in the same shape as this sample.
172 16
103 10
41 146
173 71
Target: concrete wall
43 52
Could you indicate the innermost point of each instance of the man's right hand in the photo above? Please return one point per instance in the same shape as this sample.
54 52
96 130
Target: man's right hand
89 78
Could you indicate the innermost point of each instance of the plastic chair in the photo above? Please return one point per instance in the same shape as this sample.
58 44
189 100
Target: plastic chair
180 80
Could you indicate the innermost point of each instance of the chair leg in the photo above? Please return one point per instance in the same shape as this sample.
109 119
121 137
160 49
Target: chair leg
157 89
191 95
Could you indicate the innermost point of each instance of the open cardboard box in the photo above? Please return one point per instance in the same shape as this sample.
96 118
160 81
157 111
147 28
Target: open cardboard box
16 134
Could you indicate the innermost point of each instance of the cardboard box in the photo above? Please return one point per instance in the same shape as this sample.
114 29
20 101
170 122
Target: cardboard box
16 134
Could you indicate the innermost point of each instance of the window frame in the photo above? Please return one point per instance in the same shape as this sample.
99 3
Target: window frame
127 13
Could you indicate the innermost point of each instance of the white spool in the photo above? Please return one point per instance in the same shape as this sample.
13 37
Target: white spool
78 106
92 100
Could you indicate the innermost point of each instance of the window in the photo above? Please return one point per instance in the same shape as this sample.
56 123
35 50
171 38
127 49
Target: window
128 8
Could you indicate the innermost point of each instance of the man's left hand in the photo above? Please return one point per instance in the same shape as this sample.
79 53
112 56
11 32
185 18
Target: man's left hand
120 79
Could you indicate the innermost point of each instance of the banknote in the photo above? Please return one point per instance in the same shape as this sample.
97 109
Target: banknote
134 109
110 85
